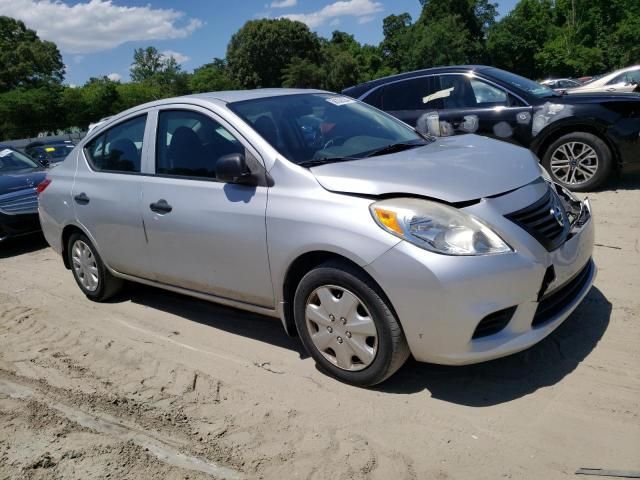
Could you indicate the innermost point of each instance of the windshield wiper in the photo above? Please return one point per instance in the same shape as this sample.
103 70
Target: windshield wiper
393 148
323 161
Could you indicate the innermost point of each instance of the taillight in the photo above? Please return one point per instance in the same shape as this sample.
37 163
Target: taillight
42 186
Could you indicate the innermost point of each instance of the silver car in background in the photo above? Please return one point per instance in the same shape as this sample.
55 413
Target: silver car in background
367 239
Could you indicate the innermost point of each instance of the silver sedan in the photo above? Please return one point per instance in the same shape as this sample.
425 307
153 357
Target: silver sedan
367 239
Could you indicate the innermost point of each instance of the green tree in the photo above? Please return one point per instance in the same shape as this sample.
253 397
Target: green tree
516 39
302 73
211 77
25 112
261 50
25 60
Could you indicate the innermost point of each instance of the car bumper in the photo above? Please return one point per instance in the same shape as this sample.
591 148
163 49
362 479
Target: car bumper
441 300
16 225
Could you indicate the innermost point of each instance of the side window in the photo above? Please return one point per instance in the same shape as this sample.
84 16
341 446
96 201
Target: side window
190 143
622 78
488 95
375 98
413 94
118 149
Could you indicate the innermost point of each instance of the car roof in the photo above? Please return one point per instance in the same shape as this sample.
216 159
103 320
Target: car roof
362 88
230 96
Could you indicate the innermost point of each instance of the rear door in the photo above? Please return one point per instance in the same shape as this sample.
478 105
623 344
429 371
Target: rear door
107 192
204 235
500 114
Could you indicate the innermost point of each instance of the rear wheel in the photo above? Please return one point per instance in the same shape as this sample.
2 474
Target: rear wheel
579 161
89 271
347 326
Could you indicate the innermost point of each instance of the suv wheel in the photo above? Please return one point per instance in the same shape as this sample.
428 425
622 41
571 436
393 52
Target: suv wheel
579 161
347 326
88 269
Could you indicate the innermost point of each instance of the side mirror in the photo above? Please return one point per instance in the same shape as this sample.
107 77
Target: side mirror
233 168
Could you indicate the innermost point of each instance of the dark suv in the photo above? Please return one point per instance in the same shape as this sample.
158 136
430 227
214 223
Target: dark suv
580 138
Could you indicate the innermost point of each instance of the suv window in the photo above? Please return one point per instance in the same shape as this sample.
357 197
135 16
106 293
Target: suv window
410 94
118 149
190 143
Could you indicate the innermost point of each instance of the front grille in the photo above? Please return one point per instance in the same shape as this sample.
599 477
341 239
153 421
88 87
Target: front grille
539 219
553 303
19 203
493 322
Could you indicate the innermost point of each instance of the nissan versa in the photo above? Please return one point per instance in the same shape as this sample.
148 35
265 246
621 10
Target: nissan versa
368 240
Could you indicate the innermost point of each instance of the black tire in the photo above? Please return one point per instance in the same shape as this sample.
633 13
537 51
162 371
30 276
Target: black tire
603 153
108 285
392 348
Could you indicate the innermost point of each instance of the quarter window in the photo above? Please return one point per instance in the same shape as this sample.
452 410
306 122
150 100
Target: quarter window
189 144
118 149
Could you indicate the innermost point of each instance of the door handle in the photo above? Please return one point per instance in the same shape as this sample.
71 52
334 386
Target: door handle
161 207
81 199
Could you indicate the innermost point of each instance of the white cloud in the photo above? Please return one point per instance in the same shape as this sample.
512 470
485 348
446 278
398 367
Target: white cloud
177 56
366 19
97 25
114 77
361 9
283 3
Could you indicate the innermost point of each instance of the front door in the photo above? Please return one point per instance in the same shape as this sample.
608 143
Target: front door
204 235
499 115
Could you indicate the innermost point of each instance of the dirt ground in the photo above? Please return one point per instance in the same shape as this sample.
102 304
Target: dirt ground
157 385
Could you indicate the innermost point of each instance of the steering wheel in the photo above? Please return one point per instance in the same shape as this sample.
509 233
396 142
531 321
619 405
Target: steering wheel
334 141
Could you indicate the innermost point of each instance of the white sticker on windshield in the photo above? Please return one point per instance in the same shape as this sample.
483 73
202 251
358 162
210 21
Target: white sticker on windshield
339 101
5 152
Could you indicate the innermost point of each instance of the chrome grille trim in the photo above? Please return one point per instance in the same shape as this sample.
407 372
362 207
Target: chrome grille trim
539 220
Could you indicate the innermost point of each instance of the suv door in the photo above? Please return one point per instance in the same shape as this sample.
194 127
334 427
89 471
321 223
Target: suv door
500 114
203 234
107 192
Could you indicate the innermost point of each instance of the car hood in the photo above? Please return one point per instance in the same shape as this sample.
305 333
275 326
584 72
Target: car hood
21 180
452 169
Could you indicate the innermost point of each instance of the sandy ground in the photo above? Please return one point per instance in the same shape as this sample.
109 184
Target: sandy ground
157 385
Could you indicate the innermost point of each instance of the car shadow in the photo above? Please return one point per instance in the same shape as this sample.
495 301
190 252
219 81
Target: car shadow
13 247
238 322
515 376
480 385
624 181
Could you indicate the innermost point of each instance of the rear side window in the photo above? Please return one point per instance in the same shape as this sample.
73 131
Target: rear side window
189 144
119 149
413 94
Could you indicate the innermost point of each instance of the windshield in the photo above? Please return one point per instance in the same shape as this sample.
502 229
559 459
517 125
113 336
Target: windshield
315 127
14 160
58 152
529 86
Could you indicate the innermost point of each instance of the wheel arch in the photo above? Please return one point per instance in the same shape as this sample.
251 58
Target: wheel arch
69 230
542 144
302 265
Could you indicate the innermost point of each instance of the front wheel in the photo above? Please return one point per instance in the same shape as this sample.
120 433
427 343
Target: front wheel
579 161
347 326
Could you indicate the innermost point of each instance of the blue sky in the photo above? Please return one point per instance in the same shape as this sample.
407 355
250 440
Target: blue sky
97 37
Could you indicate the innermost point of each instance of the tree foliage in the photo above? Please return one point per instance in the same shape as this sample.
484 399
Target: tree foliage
25 60
538 38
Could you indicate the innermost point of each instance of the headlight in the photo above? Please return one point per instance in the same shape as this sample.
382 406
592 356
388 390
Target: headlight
437 227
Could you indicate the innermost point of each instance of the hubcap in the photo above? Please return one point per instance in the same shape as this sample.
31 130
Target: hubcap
84 265
574 163
341 327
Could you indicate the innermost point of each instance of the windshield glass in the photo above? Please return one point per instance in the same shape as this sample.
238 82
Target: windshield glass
14 160
316 127
529 86
58 153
